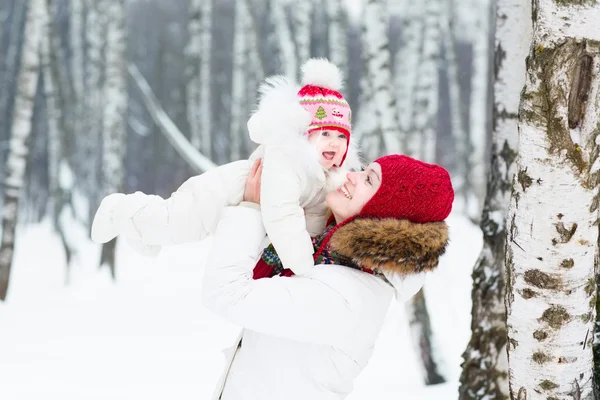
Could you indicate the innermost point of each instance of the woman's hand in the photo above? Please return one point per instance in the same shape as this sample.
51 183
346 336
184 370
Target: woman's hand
252 189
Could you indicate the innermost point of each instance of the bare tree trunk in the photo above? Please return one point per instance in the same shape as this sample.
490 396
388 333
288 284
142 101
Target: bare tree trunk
426 93
407 62
376 56
287 54
421 334
478 108
59 168
21 129
485 367
552 229
115 105
206 132
338 39
459 133
11 62
88 159
193 61
237 127
302 12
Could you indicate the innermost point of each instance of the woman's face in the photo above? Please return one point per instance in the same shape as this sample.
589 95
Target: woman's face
359 188
331 147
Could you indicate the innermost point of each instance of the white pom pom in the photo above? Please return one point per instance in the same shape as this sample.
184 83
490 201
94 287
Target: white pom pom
320 72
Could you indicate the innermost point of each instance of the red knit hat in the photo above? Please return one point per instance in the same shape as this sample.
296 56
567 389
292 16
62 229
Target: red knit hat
320 96
411 189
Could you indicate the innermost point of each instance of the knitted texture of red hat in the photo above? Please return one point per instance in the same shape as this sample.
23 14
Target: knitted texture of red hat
411 189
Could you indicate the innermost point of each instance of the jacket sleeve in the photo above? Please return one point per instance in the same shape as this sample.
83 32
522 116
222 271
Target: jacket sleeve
284 220
299 308
190 214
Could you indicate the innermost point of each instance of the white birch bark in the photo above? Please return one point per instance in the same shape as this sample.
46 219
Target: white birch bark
115 104
377 58
88 144
236 132
10 66
289 62
422 337
302 12
192 60
16 162
205 78
338 39
457 127
59 169
426 93
3 19
479 104
485 367
254 75
552 232
77 34
52 107
407 62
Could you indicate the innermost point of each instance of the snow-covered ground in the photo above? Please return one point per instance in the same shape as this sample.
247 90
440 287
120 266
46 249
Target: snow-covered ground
147 336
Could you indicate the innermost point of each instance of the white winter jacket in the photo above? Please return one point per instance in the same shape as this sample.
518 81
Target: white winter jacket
308 337
293 188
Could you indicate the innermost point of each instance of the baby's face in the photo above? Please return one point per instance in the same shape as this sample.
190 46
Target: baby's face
331 147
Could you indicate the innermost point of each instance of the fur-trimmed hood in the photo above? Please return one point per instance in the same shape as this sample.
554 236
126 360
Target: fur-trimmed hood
391 246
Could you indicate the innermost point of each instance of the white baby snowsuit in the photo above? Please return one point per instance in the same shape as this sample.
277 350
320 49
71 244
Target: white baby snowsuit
293 189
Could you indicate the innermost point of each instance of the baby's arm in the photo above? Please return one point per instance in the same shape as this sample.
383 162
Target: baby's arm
190 214
281 187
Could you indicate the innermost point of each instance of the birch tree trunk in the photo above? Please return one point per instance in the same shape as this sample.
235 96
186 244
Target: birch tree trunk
21 129
407 62
115 105
289 62
60 173
338 39
421 335
426 93
205 78
237 126
485 367
457 127
552 232
3 19
377 58
192 60
302 12
479 107
77 34
52 107
94 99
11 63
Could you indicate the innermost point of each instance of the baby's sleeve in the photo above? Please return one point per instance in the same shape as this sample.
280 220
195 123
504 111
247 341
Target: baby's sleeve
281 188
190 214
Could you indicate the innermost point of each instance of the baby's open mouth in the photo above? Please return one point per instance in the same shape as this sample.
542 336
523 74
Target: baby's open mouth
328 155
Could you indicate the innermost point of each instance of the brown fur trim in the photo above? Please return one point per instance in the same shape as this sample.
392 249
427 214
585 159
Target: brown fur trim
392 245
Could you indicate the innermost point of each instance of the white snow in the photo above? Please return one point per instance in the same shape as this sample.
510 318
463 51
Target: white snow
147 335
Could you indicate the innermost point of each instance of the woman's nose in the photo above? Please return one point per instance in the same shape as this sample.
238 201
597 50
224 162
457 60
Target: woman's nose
351 176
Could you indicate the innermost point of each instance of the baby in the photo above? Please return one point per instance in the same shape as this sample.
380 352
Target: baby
304 143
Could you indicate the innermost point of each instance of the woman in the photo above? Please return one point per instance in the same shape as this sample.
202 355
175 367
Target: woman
308 337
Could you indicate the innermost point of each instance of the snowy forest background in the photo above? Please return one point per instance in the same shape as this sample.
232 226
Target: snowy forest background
203 66
103 96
